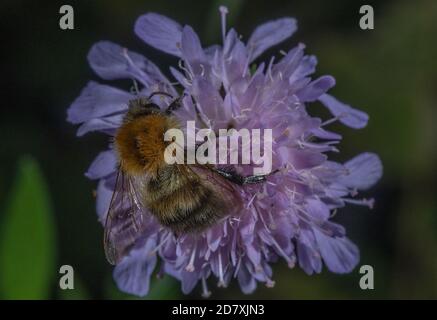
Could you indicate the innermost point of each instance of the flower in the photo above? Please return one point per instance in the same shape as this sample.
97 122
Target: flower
288 217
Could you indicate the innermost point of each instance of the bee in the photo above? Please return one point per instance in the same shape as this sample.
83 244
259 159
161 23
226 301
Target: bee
184 198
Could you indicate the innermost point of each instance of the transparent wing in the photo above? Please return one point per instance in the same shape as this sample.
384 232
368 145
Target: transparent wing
226 189
126 218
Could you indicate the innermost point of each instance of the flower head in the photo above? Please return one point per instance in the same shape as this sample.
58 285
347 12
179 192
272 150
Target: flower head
289 217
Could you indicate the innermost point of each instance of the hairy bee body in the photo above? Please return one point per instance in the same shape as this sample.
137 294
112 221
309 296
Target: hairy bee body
178 196
182 201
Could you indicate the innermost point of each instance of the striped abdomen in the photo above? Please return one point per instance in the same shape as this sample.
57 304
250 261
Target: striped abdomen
184 202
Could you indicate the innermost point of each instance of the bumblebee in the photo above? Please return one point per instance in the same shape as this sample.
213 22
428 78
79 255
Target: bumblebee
184 198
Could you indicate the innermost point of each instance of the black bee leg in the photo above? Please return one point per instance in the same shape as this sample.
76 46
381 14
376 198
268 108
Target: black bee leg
176 104
236 178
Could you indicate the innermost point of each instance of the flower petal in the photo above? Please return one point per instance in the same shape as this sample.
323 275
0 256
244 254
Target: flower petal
316 88
103 165
107 125
339 254
317 209
191 47
160 32
97 100
306 67
189 281
132 274
302 159
308 257
270 34
103 199
111 61
209 101
246 280
364 171
346 114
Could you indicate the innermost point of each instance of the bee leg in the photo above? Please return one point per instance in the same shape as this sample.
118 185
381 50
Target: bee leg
176 104
242 180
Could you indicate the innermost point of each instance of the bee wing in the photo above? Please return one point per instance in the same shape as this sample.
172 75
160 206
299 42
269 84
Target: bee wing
225 188
125 221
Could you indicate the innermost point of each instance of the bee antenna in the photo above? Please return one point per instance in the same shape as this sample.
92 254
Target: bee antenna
134 89
161 93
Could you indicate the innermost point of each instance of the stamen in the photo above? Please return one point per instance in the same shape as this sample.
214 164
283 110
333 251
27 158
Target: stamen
250 201
272 223
190 266
362 202
140 73
223 12
187 71
334 213
135 89
290 261
269 68
237 267
202 70
221 283
205 292
160 245
334 119
270 283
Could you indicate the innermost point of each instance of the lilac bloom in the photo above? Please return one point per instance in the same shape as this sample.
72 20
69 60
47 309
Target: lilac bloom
287 218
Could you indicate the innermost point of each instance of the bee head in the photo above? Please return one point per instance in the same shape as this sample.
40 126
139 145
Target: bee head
141 106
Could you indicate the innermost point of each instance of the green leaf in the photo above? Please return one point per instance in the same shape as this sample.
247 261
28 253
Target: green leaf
165 288
27 240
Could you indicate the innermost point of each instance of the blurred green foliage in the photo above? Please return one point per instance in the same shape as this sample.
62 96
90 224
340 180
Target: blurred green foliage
389 72
27 237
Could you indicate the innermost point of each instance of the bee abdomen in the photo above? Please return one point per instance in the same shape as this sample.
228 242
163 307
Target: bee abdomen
190 208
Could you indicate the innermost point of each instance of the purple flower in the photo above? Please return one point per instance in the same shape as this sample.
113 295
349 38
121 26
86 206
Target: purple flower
288 217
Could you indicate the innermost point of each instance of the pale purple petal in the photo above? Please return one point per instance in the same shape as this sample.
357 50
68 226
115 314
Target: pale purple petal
111 61
246 281
315 89
103 165
317 209
107 125
270 34
346 114
308 257
214 236
160 32
189 281
103 199
209 100
211 51
324 134
132 274
363 171
303 159
191 47
306 67
97 100
339 254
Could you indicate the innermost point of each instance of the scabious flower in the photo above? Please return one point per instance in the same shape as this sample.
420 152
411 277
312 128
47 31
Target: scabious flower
289 217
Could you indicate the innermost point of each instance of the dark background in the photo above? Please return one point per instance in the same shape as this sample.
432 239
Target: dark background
389 72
